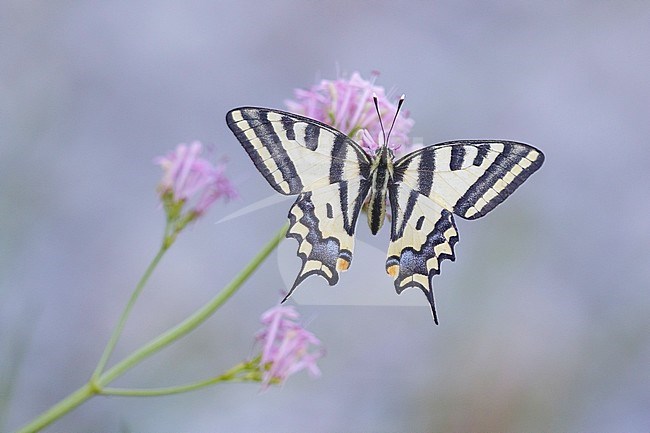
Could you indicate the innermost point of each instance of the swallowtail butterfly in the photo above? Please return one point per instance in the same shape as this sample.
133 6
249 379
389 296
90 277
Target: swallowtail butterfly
334 178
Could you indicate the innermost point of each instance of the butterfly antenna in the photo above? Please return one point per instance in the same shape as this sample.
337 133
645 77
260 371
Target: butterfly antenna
383 133
399 106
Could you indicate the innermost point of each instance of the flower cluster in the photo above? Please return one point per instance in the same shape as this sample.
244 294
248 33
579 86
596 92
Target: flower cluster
348 106
286 346
189 177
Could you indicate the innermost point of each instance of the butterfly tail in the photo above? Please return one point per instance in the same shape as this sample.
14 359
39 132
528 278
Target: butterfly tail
295 284
429 295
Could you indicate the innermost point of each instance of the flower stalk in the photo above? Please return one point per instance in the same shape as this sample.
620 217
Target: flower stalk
246 371
97 384
117 332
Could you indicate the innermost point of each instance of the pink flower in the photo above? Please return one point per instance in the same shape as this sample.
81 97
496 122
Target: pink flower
187 176
286 346
347 105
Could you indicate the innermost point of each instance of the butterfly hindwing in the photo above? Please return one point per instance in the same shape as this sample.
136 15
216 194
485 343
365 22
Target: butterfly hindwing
422 235
323 223
327 170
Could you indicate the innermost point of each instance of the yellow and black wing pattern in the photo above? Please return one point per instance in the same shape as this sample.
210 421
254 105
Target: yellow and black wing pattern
332 177
467 178
329 172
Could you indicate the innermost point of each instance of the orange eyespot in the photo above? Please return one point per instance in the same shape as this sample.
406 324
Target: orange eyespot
342 264
393 270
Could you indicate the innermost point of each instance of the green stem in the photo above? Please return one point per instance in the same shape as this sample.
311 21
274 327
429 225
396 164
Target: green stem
127 310
61 408
94 386
200 316
232 375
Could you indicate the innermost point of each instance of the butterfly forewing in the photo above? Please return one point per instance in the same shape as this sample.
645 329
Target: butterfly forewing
469 177
295 153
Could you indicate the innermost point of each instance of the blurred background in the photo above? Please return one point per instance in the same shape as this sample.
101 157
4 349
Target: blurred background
544 316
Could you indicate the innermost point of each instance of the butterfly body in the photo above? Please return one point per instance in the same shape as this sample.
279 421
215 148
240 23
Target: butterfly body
334 177
381 172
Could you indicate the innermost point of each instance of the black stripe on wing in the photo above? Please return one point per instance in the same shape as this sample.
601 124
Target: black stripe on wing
508 167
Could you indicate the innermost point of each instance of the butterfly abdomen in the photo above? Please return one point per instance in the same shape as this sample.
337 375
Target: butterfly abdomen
381 174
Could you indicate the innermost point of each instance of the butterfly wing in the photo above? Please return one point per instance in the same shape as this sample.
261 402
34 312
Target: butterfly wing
328 171
467 178
323 223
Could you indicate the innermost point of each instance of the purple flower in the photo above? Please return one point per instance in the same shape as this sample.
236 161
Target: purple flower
347 105
286 346
187 176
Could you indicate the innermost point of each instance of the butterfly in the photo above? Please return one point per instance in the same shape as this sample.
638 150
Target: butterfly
334 178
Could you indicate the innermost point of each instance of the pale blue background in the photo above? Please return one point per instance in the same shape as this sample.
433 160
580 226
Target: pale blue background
544 317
